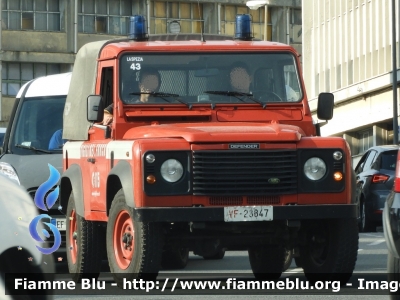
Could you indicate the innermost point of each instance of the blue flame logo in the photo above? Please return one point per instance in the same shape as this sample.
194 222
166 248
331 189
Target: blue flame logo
45 187
40 203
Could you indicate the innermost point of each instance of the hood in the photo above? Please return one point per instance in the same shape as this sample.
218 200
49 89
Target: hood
33 170
219 132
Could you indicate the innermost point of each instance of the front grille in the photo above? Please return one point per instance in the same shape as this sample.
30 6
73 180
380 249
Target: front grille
263 200
226 200
245 173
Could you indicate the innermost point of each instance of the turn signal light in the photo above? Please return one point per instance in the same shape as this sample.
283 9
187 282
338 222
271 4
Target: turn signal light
151 179
337 176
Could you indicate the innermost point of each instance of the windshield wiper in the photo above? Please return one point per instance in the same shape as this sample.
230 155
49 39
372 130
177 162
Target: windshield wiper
236 94
163 95
33 148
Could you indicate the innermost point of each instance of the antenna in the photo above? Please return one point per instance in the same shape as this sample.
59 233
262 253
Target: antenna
202 22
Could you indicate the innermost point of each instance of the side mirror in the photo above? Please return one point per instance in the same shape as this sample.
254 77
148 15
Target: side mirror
95 108
325 106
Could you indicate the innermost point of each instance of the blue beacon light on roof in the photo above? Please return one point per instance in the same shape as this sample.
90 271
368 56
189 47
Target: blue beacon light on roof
243 27
138 28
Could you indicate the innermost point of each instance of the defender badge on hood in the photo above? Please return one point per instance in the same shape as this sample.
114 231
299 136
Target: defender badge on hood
244 146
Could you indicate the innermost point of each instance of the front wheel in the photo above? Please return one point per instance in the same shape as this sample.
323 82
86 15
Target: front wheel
175 258
330 251
218 255
84 243
134 248
267 262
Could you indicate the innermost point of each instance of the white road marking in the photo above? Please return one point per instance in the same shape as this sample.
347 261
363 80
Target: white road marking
377 242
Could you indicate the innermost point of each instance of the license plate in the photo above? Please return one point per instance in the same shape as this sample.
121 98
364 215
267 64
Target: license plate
60 223
248 213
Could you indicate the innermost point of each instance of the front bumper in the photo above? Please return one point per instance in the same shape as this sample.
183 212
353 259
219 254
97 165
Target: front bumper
216 214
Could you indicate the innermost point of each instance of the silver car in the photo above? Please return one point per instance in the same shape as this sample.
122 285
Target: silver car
18 251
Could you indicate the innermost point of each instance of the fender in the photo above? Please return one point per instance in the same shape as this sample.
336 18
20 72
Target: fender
122 172
71 180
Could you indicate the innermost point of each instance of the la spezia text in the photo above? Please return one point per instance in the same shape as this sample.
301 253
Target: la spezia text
183 284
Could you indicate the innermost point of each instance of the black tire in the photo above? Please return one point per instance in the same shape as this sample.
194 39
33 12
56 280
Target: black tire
85 244
288 259
219 255
330 252
175 258
365 225
134 251
267 262
393 270
297 261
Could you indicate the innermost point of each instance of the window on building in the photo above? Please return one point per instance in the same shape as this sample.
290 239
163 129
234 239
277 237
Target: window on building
228 19
43 15
14 74
171 17
104 16
296 29
365 140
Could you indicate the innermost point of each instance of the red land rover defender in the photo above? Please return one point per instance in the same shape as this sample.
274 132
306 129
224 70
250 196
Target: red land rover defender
207 162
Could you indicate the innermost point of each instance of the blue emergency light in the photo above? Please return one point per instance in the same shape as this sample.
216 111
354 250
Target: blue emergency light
138 28
243 27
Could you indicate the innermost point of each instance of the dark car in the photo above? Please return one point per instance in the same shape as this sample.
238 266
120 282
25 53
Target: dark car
374 175
391 229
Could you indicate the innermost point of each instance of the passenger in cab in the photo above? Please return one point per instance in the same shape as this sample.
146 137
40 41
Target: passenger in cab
149 81
239 78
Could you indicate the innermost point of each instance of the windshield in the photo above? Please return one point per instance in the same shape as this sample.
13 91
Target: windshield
209 78
36 122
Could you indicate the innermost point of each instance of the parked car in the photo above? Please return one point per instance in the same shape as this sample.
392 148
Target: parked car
374 176
26 153
18 252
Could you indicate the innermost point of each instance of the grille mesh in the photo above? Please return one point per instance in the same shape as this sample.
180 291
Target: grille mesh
226 200
244 173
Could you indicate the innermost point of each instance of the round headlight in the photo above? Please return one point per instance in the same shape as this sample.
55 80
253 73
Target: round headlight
171 170
314 168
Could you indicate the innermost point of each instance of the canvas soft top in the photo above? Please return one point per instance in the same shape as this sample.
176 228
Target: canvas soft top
82 85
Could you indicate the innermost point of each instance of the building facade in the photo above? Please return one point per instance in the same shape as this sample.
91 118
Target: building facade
41 37
347 47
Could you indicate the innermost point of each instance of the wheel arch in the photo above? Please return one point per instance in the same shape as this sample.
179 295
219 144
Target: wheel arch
71 181
119 177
